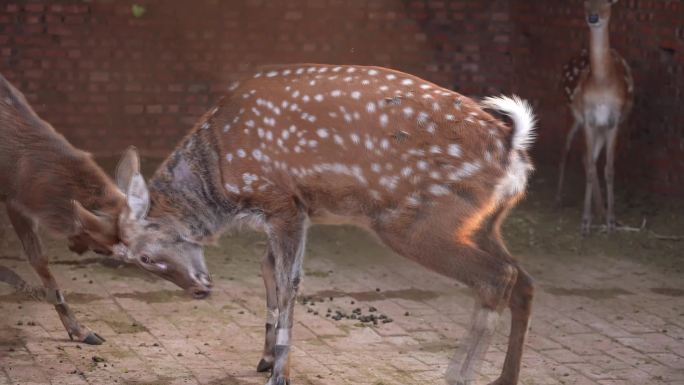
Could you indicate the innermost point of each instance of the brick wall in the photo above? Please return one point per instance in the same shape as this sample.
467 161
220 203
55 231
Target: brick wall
107 79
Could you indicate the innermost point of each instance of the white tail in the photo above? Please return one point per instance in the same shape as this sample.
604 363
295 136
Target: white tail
425 168
520 111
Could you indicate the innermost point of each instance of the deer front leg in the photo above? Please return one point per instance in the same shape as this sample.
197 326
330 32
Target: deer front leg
593 149
268 274
287 243
26 230
609 173
564 158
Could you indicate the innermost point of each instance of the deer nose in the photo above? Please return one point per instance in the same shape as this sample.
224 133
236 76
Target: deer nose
204 279
593 18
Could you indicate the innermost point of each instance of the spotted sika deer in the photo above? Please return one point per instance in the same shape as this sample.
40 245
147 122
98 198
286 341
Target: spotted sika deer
426 169
600 91
45 181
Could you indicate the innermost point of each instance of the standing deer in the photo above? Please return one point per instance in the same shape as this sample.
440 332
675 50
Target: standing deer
426 169
45 181
600 90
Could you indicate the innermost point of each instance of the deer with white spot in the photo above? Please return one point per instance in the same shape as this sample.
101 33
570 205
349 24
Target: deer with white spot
427 170
46 182
600 90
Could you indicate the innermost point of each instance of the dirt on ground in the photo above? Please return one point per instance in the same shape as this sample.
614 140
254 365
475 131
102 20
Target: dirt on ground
608 309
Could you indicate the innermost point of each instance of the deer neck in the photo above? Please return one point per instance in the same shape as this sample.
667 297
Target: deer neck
600 54
186 189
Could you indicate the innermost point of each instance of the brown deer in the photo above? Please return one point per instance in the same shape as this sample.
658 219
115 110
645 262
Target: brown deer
426 169
600 90
45 181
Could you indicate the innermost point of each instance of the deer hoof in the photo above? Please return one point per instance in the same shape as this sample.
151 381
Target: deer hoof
501 381
93 339
264 366
586 227
278 381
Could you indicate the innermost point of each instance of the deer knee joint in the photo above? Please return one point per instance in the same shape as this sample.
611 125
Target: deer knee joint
272 316
54 297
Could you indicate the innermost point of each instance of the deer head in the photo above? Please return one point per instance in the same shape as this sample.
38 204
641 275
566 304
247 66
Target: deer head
156 245
96 232
598 12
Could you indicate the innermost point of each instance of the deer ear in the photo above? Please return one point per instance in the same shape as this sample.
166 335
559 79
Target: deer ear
138 196
128 166
99 229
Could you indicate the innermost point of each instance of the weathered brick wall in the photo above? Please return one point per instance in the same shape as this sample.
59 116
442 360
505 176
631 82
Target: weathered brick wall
107 79
650 35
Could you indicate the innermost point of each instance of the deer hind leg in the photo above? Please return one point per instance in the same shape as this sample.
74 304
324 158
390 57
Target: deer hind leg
268 274
609 173
520 302
599 206
490 276
26 230
594 144
287 238
564 157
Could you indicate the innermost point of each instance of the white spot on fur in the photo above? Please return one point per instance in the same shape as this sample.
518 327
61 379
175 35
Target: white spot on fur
422 118
256 154
454 150
232 188
438 190
467 169
384 120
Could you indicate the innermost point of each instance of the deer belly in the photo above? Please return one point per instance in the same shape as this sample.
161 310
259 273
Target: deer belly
325 217
602 115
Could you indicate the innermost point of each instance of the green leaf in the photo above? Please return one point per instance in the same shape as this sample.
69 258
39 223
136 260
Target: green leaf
138 10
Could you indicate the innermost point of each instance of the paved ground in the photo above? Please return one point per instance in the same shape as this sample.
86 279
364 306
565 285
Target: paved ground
617 322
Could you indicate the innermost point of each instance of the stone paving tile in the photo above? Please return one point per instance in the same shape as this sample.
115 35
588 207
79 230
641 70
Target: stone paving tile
594 328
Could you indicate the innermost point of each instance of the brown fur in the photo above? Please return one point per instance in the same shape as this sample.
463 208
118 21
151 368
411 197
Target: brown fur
44 181
294 144
600 91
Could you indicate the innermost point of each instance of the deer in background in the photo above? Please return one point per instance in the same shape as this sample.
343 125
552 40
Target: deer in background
600 90
427 170
45 181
